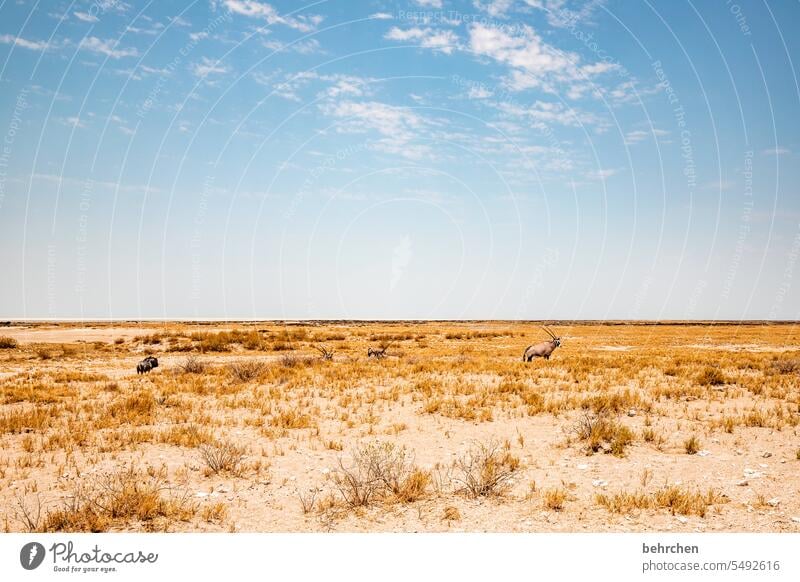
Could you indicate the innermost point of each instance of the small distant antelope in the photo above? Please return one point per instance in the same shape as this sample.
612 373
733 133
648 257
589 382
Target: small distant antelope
146 365
378 352
325 353
543 349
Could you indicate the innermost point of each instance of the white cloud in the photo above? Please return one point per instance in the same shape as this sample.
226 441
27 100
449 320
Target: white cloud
442 40
339 85
397 122
381 16
107 47
86 17
560 15
304 47
479 92
776 151
603 174
495 8
267 12
208 67
33 45
639 135
429 3
533 62
548 113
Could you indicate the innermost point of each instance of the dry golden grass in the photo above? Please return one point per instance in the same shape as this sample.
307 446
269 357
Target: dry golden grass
450 418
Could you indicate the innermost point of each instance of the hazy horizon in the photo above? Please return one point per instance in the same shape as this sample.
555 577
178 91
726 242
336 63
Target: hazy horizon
526 160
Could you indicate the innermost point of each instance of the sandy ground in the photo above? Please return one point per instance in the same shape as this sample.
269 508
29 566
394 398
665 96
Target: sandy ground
754 470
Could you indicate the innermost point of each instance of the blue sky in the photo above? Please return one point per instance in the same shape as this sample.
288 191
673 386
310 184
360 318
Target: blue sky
530 159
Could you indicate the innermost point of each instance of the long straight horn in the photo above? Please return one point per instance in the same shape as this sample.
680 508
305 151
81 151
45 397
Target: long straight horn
550 333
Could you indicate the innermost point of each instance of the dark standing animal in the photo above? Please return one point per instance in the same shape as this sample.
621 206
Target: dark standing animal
146 365
543 349
378 352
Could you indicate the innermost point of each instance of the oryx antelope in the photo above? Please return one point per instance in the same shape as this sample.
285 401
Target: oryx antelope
377 352
146 365
543 349
325 353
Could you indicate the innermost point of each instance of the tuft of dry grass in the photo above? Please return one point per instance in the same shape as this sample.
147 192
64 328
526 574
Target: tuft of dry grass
554 498
691 445
603 433
678 499
451 513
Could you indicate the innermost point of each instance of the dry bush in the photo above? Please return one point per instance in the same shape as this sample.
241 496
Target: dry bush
485 469
602 433
223 456
295 361
246 370
380 470
711 377
308 499
120 500
43 352
7 343
29 515
192 365
785 366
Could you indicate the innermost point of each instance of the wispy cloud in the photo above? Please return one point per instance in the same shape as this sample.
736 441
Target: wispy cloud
86 17
33 45
304 47
398 126
776 151
107 48
443 40
639 135
429 3
206 67
266 12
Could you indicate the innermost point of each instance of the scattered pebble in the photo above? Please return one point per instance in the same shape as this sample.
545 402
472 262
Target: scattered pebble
583 466
682 519
743 483
796 519
632 412
767 455
703 453
774 502
599 483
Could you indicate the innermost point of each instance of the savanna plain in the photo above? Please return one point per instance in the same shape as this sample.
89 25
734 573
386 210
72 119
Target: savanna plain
290 427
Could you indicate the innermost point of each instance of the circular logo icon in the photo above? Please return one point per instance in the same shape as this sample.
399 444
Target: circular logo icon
31 555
